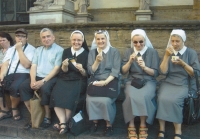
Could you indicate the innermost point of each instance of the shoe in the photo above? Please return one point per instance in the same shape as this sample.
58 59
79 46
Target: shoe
178 135
132 133
94 127
56 126
18 116
63 129
46 123
162 132
7 114
143 132
108 131
28 125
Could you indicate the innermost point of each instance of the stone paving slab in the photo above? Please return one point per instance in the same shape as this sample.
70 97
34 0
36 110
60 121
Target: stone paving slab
14 129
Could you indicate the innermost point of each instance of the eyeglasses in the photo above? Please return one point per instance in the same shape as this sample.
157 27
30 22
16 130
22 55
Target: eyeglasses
136 42
20 36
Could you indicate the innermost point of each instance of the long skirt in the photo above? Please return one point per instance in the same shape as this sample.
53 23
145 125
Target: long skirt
140 102
170 102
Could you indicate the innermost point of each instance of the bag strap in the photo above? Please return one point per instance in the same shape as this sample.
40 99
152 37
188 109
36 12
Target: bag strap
18 61
36 94
3 91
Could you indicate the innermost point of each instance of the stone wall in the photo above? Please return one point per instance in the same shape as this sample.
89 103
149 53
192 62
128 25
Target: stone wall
157 31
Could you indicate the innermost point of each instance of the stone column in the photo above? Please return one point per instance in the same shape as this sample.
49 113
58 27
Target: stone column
55 11
196 10
144 13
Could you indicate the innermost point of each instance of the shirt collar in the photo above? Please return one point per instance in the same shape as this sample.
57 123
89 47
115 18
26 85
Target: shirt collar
104 50
181 51
77 52
141 52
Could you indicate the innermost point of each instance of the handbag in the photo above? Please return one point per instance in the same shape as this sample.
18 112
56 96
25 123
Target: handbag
80 122
138 83
110 90
191 110
36 110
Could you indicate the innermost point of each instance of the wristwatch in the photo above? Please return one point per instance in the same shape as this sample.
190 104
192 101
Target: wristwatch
44 81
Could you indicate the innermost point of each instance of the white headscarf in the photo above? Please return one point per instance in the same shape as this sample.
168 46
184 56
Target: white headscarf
142 33
105 32
179 32
77 31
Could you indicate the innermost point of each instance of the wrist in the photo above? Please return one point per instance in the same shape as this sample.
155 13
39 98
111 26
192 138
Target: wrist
105 83
183 65
144 68
43 80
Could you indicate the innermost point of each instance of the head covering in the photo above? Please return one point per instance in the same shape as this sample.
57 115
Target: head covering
84 45
22 30
105 32
178 32
142 33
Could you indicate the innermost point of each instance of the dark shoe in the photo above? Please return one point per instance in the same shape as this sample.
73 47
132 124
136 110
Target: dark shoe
162 132
18 116
108 131
63 129
178 135
7 114
94 127
28 125
46 123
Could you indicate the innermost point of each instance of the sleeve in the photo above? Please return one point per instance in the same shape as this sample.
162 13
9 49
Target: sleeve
35 56
91 60
194 62
30 53
116 64
125 58
8 55
155 63
58 60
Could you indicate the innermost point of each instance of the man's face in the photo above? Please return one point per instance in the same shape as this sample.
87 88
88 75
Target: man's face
21 37
47 38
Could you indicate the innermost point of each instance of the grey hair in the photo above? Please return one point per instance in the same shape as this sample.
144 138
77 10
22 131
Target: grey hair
46 29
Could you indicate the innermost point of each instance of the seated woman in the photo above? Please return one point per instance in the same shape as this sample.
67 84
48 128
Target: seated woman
174 89
105 67
140 61
72 80
6 42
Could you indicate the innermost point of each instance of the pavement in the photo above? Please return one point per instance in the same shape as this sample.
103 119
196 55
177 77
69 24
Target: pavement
10 129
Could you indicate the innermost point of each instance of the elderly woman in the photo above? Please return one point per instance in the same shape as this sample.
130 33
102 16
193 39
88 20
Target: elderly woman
72 80
140 61
104 65
178 64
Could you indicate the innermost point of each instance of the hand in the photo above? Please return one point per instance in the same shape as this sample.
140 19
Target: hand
1 80
37 85
79 66
18 46
99 83
99 58
141 63
32 84
178 62
169 51
132 57
65 62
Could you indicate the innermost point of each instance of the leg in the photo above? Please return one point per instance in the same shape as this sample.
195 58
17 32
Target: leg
143 129
162 128
132 130
14 104
109 130
4 113
27 104
177 131
47 111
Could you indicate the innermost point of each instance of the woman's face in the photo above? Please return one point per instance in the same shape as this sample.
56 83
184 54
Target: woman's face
4 42
138 42
76 41
177 43
101 41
